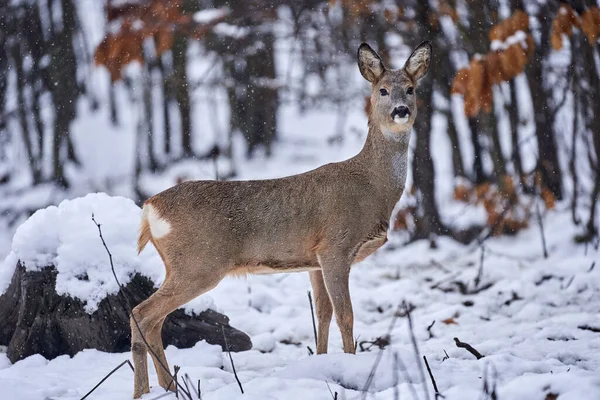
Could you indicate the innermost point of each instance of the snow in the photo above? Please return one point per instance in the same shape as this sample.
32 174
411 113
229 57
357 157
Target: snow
65 236
207 16
534 323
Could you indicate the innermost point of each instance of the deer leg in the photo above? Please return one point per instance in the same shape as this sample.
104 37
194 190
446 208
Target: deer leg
150 314
324 310
140 360
336 273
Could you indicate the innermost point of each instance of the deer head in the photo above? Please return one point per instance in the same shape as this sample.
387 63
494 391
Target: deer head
393 105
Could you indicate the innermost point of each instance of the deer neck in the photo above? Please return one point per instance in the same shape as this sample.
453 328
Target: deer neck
384 157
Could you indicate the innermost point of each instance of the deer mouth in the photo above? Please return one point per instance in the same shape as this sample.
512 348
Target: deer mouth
401 115
400 120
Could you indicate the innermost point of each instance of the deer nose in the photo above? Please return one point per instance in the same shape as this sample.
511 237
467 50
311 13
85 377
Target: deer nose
400 111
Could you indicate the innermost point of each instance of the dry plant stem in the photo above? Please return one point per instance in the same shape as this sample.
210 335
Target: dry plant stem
312 313
468 347
378 358
480 271
413 391
435 388
396 379
176 369
127 307
232 364
541 224
106 377
413 339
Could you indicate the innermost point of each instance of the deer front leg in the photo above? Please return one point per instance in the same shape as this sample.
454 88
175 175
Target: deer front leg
324 310
336 273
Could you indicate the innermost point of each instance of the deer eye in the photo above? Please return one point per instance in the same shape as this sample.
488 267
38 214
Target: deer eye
410 90
383 92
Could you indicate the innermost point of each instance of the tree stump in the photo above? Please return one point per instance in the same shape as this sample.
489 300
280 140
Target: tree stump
37 320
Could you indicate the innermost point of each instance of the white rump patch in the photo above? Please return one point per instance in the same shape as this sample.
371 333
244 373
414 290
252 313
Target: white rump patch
159 227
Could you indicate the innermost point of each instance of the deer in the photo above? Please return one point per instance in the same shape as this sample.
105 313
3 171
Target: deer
322 221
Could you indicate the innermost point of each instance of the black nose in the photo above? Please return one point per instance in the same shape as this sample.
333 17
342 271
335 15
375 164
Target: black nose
401 111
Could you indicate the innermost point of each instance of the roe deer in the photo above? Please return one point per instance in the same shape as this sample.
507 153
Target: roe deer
321 221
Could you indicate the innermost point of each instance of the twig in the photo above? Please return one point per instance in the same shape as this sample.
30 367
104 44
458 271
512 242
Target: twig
231 359
480 271
541 224
176 369
127 307
429 329
199 392
468 347
435 388
446 357
312 313
378 358
334 395
413 391
413 339
396 379
591 267
107 376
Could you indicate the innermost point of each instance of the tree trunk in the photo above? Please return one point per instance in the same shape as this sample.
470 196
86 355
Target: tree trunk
548 165
513 116
427 218
63 76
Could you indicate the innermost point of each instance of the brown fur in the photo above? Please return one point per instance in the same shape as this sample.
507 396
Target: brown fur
144 233
322 221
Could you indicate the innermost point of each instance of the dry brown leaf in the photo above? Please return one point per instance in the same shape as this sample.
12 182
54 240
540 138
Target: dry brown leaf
519 21
475 82
590 24
459 83
549 199
450 321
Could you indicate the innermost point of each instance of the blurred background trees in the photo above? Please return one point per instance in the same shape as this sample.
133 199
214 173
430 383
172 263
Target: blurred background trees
514 85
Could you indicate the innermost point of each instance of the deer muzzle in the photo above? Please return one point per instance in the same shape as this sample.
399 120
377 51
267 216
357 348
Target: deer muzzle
400 114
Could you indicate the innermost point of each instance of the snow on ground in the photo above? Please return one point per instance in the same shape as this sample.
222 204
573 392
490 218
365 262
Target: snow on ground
536 321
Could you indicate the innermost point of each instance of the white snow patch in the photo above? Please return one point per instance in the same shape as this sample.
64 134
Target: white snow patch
207 16
66 237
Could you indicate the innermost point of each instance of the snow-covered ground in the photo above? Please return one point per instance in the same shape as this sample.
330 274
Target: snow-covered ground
536 320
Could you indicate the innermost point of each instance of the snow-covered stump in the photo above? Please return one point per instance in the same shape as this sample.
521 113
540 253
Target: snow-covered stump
37 320
58 295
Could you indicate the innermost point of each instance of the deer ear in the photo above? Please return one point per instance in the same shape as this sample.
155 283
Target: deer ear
370 65
418 63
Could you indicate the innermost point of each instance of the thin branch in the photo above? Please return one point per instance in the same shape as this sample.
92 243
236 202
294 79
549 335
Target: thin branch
107 376
541 224
378 358
231 359
468 347
413 339
312 313
480 271
127 307
435 388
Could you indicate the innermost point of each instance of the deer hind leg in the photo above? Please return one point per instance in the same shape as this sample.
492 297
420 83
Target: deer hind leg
150 315
324 310
336 273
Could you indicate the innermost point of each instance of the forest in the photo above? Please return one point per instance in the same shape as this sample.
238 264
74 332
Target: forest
489 264
515 87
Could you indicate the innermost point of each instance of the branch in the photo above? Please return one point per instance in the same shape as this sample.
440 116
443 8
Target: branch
127 307
231 359
435 388
106 377
468 347
312 313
